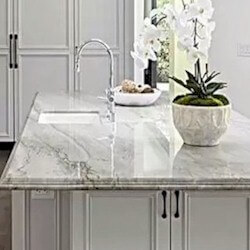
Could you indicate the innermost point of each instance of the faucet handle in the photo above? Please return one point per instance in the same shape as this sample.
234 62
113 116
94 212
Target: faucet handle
110 95
103 98
77 67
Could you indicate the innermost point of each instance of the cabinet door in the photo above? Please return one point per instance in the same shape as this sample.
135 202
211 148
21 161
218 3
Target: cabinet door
40 220
120 220
6 74
211 220
44 50
111 21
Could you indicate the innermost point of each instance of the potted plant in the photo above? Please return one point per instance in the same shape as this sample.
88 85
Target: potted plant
201 116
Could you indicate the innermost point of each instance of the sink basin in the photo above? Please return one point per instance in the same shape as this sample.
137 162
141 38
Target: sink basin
69 117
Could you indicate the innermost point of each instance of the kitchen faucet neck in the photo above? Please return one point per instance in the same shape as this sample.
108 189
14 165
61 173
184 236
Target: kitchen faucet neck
109 51
110 90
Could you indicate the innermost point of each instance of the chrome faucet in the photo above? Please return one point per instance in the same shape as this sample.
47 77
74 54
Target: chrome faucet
110 90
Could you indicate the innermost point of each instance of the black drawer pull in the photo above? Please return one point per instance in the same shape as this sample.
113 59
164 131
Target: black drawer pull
177 214
15 51
164 196
10 45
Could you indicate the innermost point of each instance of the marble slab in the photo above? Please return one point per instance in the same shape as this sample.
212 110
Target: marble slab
141 150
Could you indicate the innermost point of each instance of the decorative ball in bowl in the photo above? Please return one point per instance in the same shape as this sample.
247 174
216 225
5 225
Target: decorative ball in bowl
131 94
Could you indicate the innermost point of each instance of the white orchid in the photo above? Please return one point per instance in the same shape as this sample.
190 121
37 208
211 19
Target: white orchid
205 35
205 44
148 24
170 15
201 9
156 13
151 35
183 18
194 54
205 8
206 30
185 43
142 54
186 30
192 25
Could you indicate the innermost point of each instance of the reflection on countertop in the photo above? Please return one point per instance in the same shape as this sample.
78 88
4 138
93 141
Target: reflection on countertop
141 150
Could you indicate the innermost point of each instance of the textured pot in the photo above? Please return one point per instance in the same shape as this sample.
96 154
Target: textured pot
201 126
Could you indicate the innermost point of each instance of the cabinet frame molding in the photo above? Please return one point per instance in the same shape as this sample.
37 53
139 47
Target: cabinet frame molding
36 51
181 226
81 203
8 134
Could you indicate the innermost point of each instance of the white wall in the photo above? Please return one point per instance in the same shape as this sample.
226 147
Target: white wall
233 27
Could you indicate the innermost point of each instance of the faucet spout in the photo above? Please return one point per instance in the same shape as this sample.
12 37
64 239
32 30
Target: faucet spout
109 51
110 90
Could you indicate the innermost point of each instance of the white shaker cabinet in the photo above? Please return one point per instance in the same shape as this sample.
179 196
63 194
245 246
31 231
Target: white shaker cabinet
91 220
36 54
210 220
6 75
45 50
134 220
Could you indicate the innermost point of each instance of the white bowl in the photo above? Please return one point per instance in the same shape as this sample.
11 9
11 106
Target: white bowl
136 99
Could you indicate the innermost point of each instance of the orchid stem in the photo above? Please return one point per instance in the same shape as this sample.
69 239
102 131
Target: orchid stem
195 33
183 3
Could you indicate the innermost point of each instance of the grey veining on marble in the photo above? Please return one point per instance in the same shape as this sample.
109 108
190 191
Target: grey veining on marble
141 150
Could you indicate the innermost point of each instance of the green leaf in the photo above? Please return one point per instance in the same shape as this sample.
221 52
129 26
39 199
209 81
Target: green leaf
212 76
192 83
177 80
180 82
191 77
194 86
211 85
214 86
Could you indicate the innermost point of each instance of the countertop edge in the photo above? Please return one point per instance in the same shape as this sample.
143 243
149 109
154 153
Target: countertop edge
172 186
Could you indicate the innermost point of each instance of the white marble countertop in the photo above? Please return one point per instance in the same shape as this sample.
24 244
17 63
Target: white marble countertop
142 150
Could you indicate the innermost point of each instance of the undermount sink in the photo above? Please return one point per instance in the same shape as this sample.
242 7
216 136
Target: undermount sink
69 117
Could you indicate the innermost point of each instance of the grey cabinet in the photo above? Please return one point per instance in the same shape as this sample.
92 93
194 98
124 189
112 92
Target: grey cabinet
211 220
95 220
121 220
91 220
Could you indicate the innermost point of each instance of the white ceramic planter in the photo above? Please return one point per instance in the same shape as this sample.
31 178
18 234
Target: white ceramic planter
201 126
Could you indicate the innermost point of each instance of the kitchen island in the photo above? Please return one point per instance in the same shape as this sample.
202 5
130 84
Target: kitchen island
131 184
